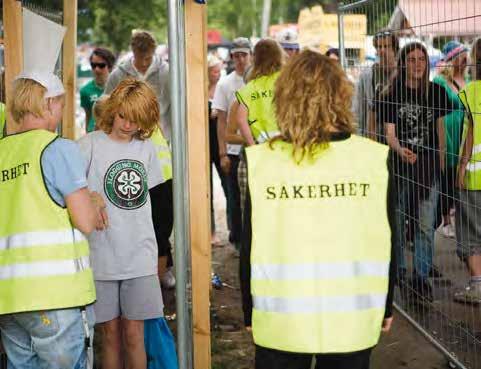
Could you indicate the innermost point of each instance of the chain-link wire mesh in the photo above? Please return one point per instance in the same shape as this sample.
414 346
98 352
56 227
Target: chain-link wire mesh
420 57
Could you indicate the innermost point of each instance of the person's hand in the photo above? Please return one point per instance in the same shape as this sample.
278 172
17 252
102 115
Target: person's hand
461 175
249 329
225 164
408 156
99 204
386 324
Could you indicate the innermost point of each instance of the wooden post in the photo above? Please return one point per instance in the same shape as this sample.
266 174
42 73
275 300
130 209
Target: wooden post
13 38
69 64
199 183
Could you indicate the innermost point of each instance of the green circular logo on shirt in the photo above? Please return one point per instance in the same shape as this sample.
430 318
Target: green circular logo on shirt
125 184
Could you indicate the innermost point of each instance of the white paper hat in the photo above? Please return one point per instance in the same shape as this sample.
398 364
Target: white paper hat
42 41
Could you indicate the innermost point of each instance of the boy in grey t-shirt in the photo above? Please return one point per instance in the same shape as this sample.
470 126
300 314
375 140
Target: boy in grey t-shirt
123 166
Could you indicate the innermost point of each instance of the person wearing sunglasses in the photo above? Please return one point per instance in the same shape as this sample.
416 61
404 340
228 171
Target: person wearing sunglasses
101 61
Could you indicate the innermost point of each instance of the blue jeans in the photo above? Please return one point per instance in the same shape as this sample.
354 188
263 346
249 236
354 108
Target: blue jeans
423 229
53 339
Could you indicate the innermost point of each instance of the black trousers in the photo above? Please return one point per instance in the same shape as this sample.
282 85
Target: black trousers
273 359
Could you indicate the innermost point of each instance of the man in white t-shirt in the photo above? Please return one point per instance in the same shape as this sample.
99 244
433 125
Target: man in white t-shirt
224 96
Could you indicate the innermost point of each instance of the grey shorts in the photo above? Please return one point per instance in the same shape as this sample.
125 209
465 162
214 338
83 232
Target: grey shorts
468 223
133 299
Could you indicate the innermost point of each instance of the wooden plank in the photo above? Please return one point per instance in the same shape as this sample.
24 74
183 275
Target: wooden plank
69 67
13 38
199 183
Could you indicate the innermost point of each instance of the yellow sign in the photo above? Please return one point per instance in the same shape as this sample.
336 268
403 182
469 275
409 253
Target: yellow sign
318 29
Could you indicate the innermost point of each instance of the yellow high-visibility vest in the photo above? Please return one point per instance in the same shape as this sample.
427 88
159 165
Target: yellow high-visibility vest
470 96
257 97
321 246
163 153
44 261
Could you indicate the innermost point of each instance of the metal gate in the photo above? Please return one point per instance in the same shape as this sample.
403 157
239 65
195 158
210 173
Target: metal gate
409 60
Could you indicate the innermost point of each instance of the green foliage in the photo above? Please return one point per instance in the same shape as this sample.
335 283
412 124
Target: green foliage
114 21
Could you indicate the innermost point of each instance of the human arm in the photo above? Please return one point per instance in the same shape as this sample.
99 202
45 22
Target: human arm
241 118
466 154
391 200
232 136
371 125
221 132
406 154
86 210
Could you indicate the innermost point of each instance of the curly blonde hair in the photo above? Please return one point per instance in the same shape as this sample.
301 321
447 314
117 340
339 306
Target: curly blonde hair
135 101
312 98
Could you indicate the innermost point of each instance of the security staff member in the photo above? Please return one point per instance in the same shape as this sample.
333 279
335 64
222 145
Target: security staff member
255 115
314 271
45 276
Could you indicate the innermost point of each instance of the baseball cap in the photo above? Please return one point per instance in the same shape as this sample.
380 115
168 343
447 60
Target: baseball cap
288 39
452 49
241 45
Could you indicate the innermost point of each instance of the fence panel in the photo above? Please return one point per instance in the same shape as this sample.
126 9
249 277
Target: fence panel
417 60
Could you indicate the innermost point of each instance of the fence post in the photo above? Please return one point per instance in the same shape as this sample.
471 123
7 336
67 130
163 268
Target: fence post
180 180
340 29
69 62
13 32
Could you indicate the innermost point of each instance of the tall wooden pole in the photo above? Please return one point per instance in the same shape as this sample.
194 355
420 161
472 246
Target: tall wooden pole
69 63
13 41
199 183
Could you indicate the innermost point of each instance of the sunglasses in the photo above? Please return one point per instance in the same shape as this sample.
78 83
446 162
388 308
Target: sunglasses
98 65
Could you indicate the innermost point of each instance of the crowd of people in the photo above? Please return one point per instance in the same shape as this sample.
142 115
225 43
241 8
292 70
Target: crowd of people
286 134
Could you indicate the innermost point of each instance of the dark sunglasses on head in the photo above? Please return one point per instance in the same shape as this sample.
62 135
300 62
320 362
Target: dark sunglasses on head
98 65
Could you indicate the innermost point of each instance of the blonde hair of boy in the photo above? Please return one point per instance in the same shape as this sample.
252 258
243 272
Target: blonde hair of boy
135 101
28 98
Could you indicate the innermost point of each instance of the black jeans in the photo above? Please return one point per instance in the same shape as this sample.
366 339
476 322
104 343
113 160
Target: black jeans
233 201
273 359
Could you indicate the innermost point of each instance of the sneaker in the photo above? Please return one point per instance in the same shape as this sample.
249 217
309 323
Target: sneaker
470 295
167 281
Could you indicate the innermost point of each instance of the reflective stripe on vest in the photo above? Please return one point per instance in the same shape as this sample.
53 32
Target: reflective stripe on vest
470 96
319 270
44 262
316 304
315 269
40 238
44 269
163 153
257 97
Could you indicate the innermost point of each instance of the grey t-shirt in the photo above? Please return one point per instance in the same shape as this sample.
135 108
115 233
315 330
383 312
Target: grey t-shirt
123 173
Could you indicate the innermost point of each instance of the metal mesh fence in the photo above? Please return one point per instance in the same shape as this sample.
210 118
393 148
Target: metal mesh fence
417 91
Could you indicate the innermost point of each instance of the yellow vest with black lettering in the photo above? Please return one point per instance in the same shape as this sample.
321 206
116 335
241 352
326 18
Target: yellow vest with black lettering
470 96
321 246
44 261
257 97
2 119
163 153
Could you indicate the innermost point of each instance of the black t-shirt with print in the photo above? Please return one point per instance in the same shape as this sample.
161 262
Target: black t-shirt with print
415 113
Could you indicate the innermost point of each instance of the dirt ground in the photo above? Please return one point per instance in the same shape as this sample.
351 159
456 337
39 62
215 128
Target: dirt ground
232 346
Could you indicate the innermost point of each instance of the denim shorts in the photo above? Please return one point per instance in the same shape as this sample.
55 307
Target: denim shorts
53 339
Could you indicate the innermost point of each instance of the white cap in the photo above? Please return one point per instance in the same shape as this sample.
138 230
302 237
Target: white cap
50 81
288 39
41 48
